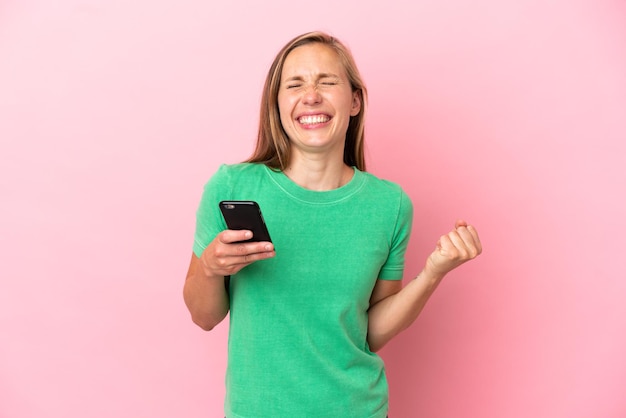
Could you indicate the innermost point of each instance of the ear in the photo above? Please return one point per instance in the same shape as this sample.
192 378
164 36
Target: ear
356 103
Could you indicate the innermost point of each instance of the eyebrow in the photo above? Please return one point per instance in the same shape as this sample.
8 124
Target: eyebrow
320 76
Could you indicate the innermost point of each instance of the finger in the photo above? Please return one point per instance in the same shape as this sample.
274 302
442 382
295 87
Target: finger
445 245
471 239
237 256
460 247
472 247
251 258
476 238
236 263
459 223
230 236
249 248
224 249
470 235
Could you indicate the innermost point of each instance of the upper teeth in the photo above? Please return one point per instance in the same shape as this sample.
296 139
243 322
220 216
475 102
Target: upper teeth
314 119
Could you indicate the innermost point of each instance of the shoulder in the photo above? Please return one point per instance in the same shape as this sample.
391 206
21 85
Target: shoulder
389 195
232 172
380 185
241 169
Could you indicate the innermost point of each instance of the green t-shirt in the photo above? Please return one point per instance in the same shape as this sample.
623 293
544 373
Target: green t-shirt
298 322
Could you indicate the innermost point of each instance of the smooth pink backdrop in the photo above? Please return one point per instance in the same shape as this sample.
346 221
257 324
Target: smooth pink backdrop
510 114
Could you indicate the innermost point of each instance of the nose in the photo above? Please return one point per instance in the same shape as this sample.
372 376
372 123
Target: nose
311 95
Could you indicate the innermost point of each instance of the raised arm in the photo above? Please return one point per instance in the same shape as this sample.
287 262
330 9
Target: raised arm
393 308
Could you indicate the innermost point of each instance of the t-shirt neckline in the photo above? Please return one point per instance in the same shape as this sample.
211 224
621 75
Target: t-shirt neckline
295 191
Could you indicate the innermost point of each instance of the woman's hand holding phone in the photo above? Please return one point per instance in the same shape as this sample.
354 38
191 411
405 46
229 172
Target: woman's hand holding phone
246 241
227 254
206 286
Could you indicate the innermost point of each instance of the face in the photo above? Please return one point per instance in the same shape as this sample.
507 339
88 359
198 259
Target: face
315 100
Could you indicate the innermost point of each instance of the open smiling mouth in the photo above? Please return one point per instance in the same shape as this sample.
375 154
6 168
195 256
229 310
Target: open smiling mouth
313 119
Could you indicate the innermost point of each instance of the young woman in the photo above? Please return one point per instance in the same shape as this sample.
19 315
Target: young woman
309 311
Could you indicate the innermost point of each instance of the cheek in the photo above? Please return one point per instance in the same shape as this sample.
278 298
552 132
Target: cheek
284 108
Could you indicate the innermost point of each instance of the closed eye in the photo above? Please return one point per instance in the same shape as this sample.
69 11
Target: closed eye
327 80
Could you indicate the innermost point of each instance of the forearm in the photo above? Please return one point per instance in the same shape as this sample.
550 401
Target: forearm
395 313
392 314
205 297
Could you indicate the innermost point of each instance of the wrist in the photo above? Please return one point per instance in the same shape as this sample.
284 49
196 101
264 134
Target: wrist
206 272
431 275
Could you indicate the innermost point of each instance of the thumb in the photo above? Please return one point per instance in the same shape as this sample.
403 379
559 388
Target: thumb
459 223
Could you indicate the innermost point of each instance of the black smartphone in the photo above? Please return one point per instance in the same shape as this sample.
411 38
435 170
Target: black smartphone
245 214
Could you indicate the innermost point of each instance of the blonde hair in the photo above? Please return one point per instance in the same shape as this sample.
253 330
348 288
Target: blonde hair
273 148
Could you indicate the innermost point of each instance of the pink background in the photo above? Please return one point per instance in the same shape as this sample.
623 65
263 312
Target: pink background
511 114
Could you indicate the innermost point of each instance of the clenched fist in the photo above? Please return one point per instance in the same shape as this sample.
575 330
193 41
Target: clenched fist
453 249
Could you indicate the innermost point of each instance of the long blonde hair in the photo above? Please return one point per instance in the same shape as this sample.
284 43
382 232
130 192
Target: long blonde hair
273 148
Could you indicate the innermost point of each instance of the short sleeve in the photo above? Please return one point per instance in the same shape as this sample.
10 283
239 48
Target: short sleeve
209 221
393 269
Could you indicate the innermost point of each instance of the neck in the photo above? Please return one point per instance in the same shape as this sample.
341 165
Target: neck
319 175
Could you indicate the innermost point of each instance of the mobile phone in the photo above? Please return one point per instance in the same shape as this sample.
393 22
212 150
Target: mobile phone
245 214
